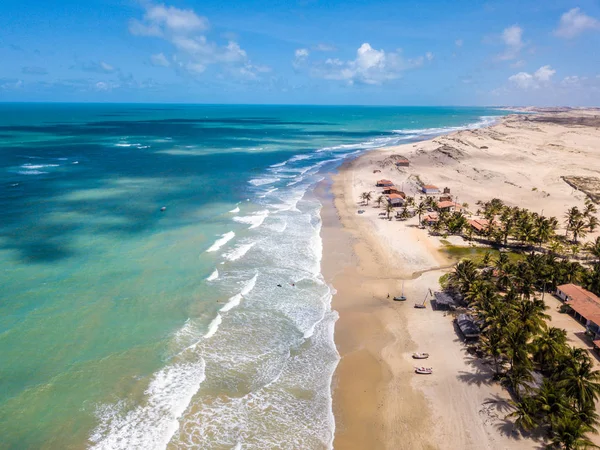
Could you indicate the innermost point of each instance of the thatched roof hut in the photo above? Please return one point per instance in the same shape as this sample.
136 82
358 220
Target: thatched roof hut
468 326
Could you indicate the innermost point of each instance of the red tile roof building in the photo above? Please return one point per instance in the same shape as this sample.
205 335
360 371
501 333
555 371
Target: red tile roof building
584 305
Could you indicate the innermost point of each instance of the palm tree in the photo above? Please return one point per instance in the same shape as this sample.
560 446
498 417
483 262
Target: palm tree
556 247
579 229
589 209
548 346
551 401
420 210
464 275
525 413
531 315
572 216
389 209
379 200
568 433
592 223
594 248
493 344
579 380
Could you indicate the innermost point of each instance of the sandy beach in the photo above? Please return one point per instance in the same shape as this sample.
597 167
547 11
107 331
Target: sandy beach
379 402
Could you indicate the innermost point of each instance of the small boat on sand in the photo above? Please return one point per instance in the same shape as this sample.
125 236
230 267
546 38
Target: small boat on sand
402 297
424 370
420 355
420 305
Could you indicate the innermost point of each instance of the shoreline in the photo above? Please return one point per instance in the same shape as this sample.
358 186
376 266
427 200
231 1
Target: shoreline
378 401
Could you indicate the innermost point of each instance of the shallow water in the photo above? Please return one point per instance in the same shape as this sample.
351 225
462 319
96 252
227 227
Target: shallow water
122 326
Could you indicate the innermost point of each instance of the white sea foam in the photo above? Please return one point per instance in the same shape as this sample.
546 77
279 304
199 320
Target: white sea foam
483 122
239 251
270 191
214 326
38 166
221 241
237 298
232 303
31 172
281 164
300 157
153 424
255 220
235 210
213 276
263 181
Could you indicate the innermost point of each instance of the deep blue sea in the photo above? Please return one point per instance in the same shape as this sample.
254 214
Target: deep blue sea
126 327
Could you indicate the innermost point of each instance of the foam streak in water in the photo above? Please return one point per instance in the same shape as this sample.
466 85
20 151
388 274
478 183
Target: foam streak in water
255 220
238 252
213 276
213 327
152 425
237 298
221 242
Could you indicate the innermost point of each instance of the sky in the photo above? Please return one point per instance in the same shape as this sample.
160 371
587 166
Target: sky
434 52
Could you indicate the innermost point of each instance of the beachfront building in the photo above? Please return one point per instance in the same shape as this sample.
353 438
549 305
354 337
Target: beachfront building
384 183
393 190
479 225
395 199
583 305
430 189
468 326
444 301
401 161
449 206
430 219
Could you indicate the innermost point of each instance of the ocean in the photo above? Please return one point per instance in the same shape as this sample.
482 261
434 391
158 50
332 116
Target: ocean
204 325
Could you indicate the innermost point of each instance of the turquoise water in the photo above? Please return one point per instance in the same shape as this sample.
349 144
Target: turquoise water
124 326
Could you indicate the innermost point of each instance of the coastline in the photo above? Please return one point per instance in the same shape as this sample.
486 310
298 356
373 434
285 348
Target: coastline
378 401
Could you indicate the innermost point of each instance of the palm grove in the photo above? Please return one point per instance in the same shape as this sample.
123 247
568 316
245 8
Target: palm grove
553 385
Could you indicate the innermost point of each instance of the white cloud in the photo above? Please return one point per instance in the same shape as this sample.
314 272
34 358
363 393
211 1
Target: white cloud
159 20
194 53
11 84
572 81
459 42
574 22
93 66
539 78
544 73
160 60
300 57
105 86
324 48
429 56
517 64
371 66
513 40
523 80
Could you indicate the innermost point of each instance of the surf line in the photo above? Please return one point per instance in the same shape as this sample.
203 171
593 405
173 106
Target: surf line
231 303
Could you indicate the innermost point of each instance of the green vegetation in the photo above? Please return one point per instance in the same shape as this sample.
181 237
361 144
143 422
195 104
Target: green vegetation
515 338
366 196
517 228
475 254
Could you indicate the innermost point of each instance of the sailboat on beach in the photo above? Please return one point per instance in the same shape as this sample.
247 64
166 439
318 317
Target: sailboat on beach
402 297
422 305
